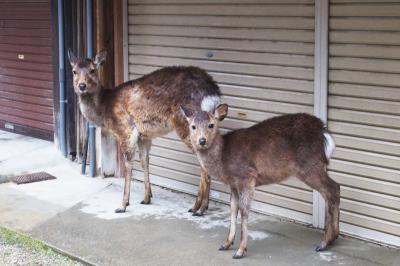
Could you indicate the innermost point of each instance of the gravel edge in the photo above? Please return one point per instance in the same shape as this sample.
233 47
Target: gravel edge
26 241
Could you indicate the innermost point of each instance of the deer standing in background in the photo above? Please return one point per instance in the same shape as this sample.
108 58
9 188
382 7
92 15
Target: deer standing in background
268 152
139 110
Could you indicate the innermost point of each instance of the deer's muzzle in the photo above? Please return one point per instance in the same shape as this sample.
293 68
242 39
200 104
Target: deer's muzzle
82 86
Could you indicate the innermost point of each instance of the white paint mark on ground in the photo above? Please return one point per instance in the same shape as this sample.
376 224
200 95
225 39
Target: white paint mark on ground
164 205
258 235
327 256
215 235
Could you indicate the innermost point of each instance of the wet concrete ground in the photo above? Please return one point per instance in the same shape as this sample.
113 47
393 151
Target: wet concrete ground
75 214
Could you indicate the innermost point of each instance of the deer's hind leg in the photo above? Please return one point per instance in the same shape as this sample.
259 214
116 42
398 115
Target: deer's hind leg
144 149
319 180
246 193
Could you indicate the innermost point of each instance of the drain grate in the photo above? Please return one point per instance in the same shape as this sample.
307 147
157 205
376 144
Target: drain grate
30 178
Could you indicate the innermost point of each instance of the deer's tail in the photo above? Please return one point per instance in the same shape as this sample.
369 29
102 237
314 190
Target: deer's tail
329 144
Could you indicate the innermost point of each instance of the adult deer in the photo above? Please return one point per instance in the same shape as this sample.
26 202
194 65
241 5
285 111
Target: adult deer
139 110
268 152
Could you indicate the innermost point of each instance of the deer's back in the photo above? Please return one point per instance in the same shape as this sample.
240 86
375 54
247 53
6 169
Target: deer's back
276 148
174 86
153 101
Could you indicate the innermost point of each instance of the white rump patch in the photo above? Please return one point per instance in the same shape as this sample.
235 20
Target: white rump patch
134 136
329 145
209 103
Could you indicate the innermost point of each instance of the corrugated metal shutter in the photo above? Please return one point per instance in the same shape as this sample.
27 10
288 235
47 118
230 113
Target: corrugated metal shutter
364 115
26 74
262 58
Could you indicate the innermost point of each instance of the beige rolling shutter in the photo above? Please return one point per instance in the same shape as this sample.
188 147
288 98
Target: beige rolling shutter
261 54
364 115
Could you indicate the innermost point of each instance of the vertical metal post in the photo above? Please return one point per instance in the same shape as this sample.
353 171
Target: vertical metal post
125 39
92 128
321 59
85 148
61 77
320 89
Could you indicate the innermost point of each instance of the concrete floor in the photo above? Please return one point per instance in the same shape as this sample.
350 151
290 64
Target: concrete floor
75 214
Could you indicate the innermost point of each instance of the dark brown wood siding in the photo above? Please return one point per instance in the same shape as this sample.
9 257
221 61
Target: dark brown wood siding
26 67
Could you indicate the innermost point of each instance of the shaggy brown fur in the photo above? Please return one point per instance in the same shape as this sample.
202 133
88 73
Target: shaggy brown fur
142 109
268 152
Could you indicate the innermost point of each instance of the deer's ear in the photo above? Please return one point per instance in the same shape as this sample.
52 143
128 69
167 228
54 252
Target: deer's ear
187 112
72 57
100 58
221 111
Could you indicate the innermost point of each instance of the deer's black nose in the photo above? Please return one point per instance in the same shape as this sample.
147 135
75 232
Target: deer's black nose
82 86
202 141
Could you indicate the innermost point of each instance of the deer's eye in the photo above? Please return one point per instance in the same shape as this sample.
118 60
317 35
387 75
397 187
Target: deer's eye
211 126
92 71
74 72
193 127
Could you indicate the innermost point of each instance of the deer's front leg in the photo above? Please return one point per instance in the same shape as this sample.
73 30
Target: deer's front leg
202 199
232 230
127 187
144 149
128 150
201 203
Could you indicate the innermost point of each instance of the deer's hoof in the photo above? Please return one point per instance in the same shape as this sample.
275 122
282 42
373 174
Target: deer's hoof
190 210
145 202
238 255
198 214
321 247
120 210
223 248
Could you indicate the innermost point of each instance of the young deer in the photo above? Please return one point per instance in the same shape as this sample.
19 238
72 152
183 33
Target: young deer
268 152
139 110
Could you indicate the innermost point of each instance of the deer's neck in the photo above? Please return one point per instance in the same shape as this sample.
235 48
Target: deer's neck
92 108
212 158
